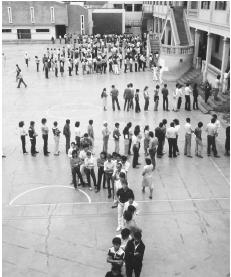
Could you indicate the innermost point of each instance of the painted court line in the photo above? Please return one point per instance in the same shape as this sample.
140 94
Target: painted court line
107 202
219 170
47 187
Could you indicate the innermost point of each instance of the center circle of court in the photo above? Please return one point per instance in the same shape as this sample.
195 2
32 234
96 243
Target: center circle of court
52 194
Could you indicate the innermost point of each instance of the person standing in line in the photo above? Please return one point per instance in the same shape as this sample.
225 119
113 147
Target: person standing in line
146 139
90 132
104 99
164 128
56 133
135 148
75 168
199 145
67 134
155 78
161 72
114 95
130 139
23 135
146 98
33 135
46 68
109 167
89 164
211 137
26 56
187 92
77 133
153 143
217 87
171 136
76 63
123 195
177 128
160 136
37 63
69 67
20 78
165 97
131 104
101 175
116 136
45 131
126 138
115 257
127 97
180 96
175 98
188 138
147 176
61 67
137 98
195 96
134 253
207 91
106 134
156 97
56 68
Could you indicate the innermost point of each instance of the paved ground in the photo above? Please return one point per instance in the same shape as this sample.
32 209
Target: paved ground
51 230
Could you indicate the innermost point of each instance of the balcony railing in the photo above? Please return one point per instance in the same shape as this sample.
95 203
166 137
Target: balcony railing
147 8
192 12
176 50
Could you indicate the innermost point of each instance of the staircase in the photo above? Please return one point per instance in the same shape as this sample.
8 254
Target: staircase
155 44
192 76
178 14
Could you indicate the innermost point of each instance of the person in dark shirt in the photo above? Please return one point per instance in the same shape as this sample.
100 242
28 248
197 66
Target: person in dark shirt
199 145
134 253
123 195
67 134
32 135
195 96
115 272
227 141
160 136
127 97
165 97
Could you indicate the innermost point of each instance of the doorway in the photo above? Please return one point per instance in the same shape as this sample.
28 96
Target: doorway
60 30
24 33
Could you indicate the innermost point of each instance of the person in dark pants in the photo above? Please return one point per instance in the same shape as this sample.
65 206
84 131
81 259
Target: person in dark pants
20 78
67 134
207 91
46 68
134 253
127 97
45 131
18 70
227 141
109 167
89 164
32 135
37 63
153 143
146 98
177 128
23 135
211 137
187 92
195 96
135 148
160 136
165 97
137 99
171 135
114 95
101 174
75 168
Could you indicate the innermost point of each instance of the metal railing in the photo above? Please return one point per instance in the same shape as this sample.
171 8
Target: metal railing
176 50
193 12
147 8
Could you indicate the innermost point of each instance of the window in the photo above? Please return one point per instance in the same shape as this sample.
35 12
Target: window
205 5
42 30
194 4
82 24
52 15
32 14
138 7
10 14
128 7
6 30
118 6
220 5
217 43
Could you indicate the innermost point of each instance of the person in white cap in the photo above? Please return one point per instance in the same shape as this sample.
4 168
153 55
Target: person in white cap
106 133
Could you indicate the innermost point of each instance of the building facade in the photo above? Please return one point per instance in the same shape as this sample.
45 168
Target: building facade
209 25
41 20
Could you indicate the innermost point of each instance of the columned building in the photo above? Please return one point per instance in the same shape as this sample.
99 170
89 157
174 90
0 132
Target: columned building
209 25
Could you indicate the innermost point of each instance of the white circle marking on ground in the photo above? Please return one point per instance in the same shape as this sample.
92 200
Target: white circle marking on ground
45 187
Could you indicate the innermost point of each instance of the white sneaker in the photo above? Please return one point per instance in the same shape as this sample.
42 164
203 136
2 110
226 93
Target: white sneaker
118 229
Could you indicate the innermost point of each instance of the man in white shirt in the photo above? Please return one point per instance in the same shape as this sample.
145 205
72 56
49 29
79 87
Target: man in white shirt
187 92
211 130
109 167
171 135
188 138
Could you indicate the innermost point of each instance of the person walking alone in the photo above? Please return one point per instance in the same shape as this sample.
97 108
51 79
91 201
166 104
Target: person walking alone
20 78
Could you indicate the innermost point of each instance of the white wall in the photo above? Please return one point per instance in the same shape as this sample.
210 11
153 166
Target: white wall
10 36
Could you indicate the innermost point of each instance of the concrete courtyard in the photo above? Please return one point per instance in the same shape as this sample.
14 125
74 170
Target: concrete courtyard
49 229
